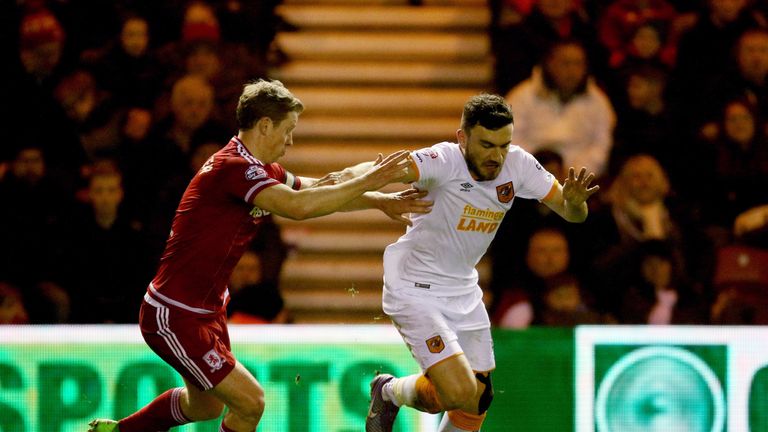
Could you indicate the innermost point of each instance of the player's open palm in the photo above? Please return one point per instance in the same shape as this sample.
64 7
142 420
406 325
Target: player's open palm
576 190
388 170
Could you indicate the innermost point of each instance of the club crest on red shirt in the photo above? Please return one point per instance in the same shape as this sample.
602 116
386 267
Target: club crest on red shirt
214 360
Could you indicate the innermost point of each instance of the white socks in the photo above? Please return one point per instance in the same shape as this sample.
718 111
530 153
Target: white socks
401 391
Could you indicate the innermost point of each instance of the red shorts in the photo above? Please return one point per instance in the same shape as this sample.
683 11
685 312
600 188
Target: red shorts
196 345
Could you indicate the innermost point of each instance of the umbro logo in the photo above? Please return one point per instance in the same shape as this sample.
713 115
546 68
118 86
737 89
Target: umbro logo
465 187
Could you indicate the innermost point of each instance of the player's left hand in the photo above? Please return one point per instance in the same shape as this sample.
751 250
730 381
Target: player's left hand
399 205
577 190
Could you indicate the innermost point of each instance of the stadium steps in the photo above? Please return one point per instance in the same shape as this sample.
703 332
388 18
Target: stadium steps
375 76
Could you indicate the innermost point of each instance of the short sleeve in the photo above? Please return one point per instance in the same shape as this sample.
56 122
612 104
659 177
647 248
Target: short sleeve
433 163
536 181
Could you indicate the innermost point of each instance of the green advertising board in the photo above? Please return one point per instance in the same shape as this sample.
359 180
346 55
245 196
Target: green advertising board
56 378
591 379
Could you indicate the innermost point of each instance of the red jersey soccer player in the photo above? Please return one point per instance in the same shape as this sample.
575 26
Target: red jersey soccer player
183 317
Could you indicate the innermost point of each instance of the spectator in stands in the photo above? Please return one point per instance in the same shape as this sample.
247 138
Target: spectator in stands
746 79
738 159
658 293
561 108
547 293
129 70
518 48
640 208
12 309
32 221
643 124
155 182
29 103
91 113
703 56
225 67
629 28
254 300
107 256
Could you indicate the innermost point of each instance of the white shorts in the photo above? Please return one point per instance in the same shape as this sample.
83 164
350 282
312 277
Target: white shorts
436 328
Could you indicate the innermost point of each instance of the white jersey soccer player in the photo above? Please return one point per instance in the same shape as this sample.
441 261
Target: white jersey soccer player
431 289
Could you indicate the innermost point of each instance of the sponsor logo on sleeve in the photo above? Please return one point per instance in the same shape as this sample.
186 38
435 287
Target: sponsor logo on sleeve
255 172
207 166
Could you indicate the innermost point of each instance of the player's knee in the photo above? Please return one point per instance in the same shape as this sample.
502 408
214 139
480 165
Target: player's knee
486 397
458 394
254 408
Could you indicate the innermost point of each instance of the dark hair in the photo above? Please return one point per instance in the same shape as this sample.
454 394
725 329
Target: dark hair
547 155
265 99
487 110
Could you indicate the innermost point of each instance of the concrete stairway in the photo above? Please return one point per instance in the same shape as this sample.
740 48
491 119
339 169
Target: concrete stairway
375 76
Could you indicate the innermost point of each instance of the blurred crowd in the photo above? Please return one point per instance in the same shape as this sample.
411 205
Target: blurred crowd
666 101
109 107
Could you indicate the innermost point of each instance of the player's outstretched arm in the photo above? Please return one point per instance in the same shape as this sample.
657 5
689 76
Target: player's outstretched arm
323 200
570 199
396 205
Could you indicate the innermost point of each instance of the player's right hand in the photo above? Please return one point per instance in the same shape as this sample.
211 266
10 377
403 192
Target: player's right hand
390 169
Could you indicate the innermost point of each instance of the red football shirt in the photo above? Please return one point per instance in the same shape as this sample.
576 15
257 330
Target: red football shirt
214 225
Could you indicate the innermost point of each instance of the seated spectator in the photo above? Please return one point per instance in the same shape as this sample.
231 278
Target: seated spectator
738 159
32 223
703 57
658 294
254 300
547 292
91 113
643 125
107 256
626 25
29 111
641 208
564 305
12 309
517 48
561 108
129 70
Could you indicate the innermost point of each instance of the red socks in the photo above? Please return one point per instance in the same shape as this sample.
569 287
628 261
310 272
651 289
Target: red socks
161 414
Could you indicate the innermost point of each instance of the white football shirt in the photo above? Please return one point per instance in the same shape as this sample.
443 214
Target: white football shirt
438 254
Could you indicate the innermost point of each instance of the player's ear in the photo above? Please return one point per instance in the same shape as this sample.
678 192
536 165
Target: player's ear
264 125
461 138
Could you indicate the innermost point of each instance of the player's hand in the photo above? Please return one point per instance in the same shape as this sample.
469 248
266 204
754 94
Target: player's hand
388 170
577 190
398 206
329 179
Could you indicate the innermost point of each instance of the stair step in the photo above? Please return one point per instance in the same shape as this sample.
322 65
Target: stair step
342 272
319 72
463 3
378 16
433 129
308 239
357 220
421 101
309 157
384 46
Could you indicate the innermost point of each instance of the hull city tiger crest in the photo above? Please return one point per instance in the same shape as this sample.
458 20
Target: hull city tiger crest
505 192
435 344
